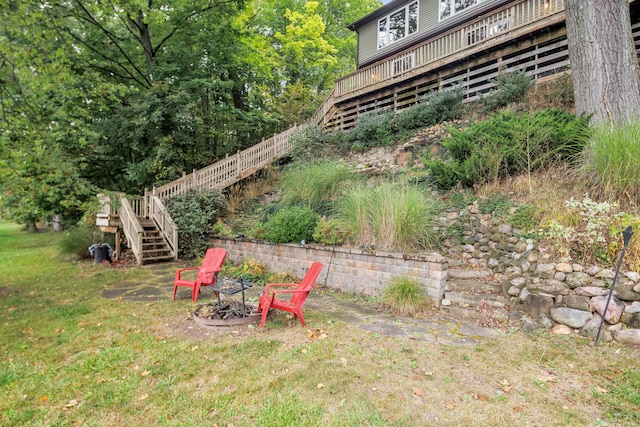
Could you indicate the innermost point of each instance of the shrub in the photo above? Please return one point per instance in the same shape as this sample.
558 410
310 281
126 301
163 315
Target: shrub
194 214
309 143
292 225
312 184
507 144
330 231
372 130
391 216
405 296
610 161
511 87
249 269
436 108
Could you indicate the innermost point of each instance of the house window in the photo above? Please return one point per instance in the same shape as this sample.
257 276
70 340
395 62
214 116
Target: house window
399 24
449 8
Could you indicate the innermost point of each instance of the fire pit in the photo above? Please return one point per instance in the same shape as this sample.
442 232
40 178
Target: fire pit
231 313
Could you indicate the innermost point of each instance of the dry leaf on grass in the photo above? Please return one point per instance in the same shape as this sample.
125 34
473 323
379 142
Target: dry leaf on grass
419 392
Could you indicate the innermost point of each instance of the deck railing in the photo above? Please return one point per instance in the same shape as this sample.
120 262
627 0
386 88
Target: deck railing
167 227
476 33
131 228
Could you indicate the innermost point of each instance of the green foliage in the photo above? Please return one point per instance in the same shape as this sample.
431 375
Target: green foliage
590 239
610 161
372 130
330 231
390 216
405 296
509 144
496 204
436 108
621 397
249 269
194 214
511 87
526 217
222 229
292 225
74 244
312 184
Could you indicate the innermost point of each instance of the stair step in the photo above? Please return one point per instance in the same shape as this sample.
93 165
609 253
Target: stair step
457 273
474 286
474 300
158 258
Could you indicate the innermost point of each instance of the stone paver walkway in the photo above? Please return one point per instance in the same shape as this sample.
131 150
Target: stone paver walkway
158 285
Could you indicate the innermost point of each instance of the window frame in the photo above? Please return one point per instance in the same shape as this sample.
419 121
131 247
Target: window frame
452 11
385 38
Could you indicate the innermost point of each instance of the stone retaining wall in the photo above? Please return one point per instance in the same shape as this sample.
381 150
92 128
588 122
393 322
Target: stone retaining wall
348 269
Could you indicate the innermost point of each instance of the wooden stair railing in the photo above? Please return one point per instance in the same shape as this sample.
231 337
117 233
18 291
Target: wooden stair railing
132 228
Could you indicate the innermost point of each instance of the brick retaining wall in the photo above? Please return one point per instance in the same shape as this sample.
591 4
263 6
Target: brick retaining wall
348 269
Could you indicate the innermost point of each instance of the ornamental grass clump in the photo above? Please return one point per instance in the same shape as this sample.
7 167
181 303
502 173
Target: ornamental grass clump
405 296
611 162
391 216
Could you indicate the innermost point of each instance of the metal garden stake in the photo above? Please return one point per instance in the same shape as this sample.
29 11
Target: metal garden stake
626 236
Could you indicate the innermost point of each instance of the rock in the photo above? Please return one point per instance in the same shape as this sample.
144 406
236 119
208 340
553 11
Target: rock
593 270
577 279
633 308
560 276
518 282
569 316
591 328
514 291
633 276
636 288
545 321
614 311
577 267
633 321
550 286
561 330
599 283
536 305
591 291
445 302
564 267
528 324
532 257
625 293
577 302
505 228
547 270
468 274
468 249
524 293
628 336
606 274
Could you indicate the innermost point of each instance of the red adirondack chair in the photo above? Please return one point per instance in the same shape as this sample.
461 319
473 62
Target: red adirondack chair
298 294
208 274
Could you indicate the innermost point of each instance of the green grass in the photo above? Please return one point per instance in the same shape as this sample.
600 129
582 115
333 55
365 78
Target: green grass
71 357
313 184
405 296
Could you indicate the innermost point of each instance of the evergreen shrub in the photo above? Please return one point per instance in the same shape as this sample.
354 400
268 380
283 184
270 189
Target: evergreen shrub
291 225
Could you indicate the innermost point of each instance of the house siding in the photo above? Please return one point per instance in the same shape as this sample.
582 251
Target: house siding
428 22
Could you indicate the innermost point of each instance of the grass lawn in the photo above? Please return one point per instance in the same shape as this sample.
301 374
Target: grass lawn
69 357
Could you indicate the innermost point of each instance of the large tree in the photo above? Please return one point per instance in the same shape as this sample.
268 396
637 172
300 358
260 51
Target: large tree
603 59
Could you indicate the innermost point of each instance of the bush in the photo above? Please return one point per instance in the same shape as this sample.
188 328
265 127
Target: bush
511 87
292 225
391 216
372 130
330 232
610 161
312 184
436 108
508 144
194 214
249 269
405 296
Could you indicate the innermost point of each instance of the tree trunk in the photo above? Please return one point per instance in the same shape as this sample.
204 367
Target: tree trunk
603 60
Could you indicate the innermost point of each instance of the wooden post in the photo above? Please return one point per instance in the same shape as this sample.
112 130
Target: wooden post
238 165
117 244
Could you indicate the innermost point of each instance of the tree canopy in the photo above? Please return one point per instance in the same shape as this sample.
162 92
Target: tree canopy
121 94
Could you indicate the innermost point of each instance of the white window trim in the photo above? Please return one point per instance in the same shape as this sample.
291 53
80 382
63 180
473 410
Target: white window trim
388 18
453 12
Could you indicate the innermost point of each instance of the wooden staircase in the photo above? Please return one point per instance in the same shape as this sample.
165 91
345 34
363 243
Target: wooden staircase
154 245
